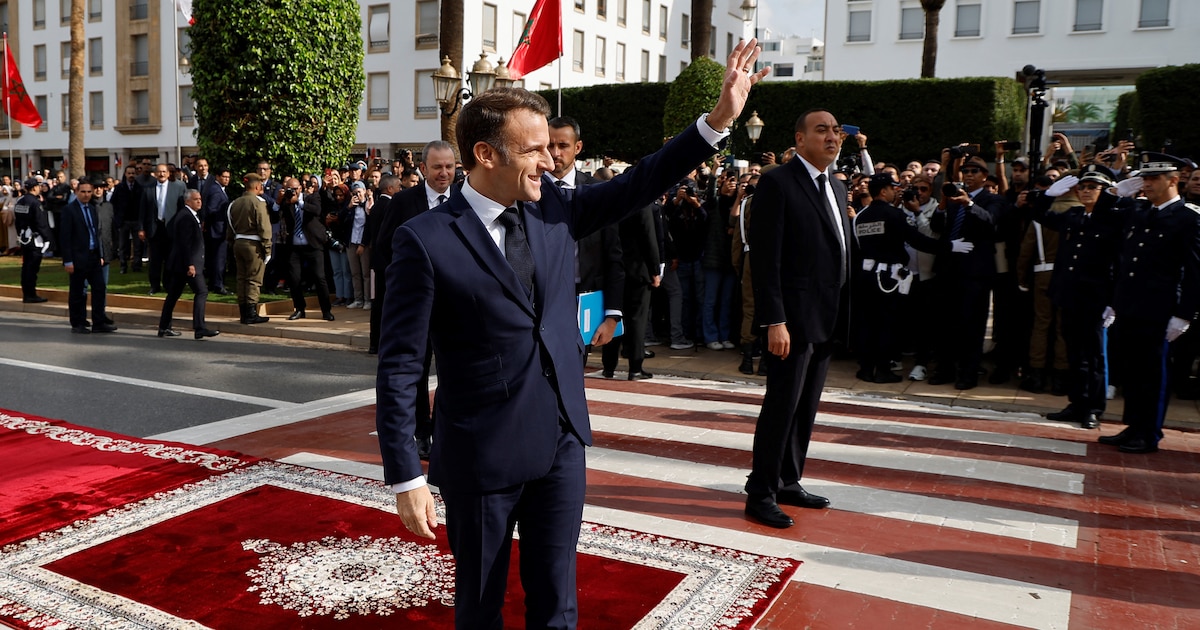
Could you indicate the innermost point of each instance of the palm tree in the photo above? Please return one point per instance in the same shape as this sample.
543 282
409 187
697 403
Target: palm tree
1084 112
450 44
933 10
701 34
75 93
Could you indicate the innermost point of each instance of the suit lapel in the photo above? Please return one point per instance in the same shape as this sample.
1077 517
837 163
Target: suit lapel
477 239
535 232
809 186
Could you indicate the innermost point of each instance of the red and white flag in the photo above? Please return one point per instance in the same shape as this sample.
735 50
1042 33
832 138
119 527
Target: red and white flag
185 7
541 41
17 102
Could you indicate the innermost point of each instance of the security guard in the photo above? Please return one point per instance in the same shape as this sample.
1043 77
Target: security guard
33 235
1081 285
1157 294
881 231
249 231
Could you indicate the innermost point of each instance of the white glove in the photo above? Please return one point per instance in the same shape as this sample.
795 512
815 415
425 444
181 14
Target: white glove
1176 327
1109 316
45 247
1129 187
268 260
959 246
1061 186
1022 289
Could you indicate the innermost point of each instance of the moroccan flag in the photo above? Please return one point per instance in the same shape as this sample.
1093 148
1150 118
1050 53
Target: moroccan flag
541 41
17 102
185 7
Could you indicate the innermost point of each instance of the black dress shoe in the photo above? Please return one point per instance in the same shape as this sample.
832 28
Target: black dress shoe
640 375
649 354
1124 436
104 328
424 447
223 291
372 350
607 373
327 316
204 332
108 320
1090 421
768 513
1066 415
966 383
1138 445
37 299
296 315
886 376
865 376
81 330
168 332
800 497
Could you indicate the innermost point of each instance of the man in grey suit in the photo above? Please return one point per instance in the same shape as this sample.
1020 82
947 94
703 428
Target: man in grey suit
161 198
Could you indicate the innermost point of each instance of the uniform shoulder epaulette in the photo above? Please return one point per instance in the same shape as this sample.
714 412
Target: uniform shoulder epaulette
1193 207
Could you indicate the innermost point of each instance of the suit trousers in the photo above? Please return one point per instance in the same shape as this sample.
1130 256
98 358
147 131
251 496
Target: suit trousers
31 264
314 260
175 281
1083 331
248 255
965 301
1143 350
636 314
90 272
785 422
548 512
876 318
160 246
379 278
131 247
214 261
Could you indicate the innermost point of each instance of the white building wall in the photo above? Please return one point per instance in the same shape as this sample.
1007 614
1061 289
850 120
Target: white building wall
1114 53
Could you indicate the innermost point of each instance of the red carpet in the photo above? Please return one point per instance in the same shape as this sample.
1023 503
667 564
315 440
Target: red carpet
104 531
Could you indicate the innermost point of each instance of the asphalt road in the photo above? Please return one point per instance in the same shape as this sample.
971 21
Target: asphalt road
135 383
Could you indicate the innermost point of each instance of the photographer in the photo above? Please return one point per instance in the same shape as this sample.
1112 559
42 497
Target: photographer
687 223
1060 150
719 279
306 237
921 312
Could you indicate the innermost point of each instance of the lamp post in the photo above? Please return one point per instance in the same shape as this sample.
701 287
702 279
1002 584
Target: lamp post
750 17
754 128
450 93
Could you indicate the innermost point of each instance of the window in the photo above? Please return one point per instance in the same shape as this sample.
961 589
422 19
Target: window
912 22
685 34
377 96
728 44
95 11
645 66
712 40
187 111
42 104
1089 15
3 20
489 27
96 109
95 56
662 68
581 5
783 70
859 22
141 108
65 59
815 64
577 51
185 45
426 105
141 57
427 24
622 12
662 22
518 27
39 62
1155 14
601 44
64 13
966 19
379 38
602 9
645 17
39 17
66 112
620 61
139 10
770 46
1026 17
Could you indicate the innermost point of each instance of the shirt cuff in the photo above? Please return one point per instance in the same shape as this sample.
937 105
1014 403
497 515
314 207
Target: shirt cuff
710 135
409 485
610 312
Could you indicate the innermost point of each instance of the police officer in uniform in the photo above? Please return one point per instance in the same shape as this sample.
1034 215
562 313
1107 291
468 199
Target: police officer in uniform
1157 294
249 231
881 231
1081 285
33 235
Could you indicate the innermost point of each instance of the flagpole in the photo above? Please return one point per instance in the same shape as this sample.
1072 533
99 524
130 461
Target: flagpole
12 173
560 84
175 73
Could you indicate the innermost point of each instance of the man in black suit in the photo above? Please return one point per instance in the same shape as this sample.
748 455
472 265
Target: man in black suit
598 262
126 201
640 260
161 198
437 167
800 265
489 278
306 239
216 212
83 257
185 266
202 179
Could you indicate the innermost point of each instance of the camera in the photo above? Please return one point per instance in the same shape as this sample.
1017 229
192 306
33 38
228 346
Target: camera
749 189
335 244
1011 145
952 189
909 194
849 164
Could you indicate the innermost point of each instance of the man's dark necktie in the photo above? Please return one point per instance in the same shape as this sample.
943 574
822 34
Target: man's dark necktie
441 200
516 248
91 225
835 217
959 219
569 193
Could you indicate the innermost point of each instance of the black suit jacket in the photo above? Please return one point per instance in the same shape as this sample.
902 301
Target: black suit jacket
407 204
795 255
601 266
640 246
978 228
74 238
149 204
126 201
215 212
314 228
187 248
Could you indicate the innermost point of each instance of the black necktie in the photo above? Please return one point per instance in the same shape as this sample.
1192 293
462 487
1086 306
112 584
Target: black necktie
441 199
833 216
567 192
516 248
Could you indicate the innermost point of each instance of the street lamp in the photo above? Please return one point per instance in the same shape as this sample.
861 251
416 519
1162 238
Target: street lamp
482 75
750 16
754 126
503 79
447 88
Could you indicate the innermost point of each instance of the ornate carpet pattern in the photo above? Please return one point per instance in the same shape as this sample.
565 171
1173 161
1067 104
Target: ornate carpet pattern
271 545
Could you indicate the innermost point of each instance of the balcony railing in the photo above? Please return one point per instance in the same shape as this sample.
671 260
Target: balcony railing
379 111
139 69
139 121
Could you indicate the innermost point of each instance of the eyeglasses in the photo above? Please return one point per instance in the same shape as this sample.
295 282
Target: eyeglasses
971 171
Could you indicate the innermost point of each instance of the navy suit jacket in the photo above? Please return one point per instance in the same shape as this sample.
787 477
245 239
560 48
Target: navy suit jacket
509 376
74 236
149 205
187 243
216 208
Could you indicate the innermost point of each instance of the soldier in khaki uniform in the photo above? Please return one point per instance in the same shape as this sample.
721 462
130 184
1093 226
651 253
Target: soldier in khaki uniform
249 230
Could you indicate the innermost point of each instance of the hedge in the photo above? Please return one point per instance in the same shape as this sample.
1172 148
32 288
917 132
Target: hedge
904 120
1166 99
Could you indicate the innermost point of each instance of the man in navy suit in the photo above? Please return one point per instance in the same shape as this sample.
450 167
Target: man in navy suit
161 198
83 255
489 279
216 213
185 267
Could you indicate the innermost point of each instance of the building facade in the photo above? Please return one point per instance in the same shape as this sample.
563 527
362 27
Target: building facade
791 57
1077 42
138 88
